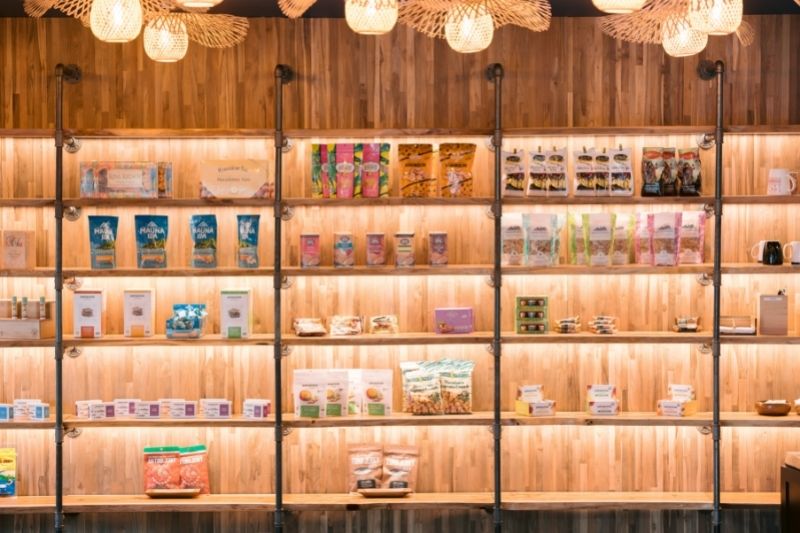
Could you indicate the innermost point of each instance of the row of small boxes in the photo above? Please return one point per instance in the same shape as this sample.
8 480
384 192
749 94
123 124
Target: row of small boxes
531 402
531 315
681 401
139 309
169 408
24 410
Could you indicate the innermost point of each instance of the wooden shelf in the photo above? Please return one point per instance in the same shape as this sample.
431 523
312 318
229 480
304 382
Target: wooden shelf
257 339
27 202
43 272
579 418
27 504
236 421
758 268
208 133
165 272
398 419
753 419
169 202
140 503
760 199
22 343
790 339
386 201
419 270
28 424
616 270
511 501
369 339
608 200
623 337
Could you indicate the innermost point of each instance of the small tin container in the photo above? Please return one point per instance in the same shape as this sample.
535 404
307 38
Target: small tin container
376 249
404 249
437 248
343 250
309 250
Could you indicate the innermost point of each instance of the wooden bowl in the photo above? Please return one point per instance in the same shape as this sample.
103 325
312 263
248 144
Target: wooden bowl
773 409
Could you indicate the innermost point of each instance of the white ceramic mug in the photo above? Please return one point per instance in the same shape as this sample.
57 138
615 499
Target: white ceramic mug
791 251
781 181
757 251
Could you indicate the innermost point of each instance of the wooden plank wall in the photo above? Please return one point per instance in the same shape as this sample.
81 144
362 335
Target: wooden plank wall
571 75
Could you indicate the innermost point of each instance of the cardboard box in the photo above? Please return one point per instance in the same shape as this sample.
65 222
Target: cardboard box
39 411
601 392
676 407
216 408
182 409
18 250
139 310
242 178
604 407
535 408
148 410
530 393
236 313
125 407
6 412
82 407
256 409
88 313
454 320
119 179
773 314
101 411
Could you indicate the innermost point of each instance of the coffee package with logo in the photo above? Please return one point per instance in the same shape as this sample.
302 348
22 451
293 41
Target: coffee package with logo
514 173
151 240
584 173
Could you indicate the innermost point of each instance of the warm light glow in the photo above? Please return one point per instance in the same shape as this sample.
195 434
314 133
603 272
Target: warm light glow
715 17
166 40
197 4
469 28
116 21
680 39
618 6
371 17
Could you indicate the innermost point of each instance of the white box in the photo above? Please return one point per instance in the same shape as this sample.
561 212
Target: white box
39 411
601 392
82 407
166 403
183 409
139 312
18 250
530 393
604 407
236 178
536 408
680 392
88 313
23 408
148 410
125 407
236 313
216 408
101 411
256 409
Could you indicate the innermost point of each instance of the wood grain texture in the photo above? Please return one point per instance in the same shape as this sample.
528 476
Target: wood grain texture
581 78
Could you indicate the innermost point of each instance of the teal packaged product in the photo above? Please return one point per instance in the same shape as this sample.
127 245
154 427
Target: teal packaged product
151 240
204 241
103 241
247 249
186 322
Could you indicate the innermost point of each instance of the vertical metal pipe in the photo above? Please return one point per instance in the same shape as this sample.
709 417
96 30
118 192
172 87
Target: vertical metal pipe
59 285
719 70
70 74
283 74
495 74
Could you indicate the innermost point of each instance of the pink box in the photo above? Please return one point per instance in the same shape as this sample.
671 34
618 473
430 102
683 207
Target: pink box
454 320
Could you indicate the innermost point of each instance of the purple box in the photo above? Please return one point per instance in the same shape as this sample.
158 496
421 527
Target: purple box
454 320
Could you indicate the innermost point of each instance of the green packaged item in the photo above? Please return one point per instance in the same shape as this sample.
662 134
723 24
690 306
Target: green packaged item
577 239
316 171
103 241
247 249
623 239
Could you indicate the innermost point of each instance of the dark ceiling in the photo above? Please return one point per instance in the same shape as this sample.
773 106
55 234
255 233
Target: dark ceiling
334 8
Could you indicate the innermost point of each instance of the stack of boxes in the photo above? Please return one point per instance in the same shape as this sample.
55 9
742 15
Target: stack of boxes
681 401
531 315
531 402
602 400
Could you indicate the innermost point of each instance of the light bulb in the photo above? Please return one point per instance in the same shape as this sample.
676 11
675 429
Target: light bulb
716 17
469 28
618 6
166 39
116 21
371 17
198 4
